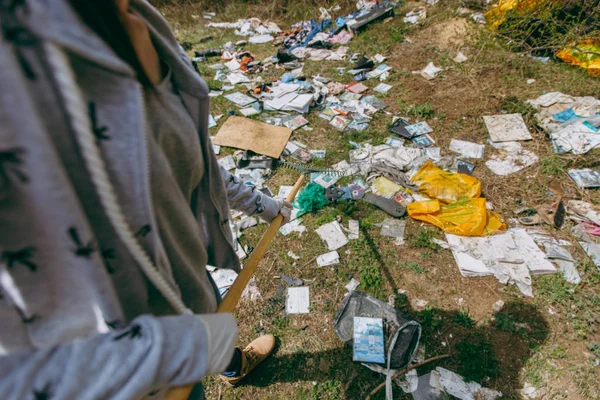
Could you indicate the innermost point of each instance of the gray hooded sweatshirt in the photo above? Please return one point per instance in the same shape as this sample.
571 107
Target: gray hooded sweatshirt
79 317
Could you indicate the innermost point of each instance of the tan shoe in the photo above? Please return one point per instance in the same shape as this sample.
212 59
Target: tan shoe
252 355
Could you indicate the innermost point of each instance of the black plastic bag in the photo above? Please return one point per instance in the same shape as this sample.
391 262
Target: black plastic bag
401 335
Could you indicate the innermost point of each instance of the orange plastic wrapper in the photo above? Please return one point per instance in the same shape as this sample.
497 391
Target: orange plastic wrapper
585 54
464 218
446 186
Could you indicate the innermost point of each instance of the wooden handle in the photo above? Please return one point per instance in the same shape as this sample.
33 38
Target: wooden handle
234 294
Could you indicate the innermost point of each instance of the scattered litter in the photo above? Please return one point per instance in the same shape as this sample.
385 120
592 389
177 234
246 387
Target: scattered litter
511 158
416 16
311 198
353 230
357 88
247 134
409 383
319 154
394 228
583 211
379 58
352 285
418 129
455 385
249 111
248 27
384 187
445 186
460 58
291 281
297 300
430 72
327 259
423 141
293 226
564 260
478 18
223 278
227 162
383 88
510 257
530 81
368 340
296 122
211 121
401 336
240 99
498 306
251 291
261 39
572 123
585 178
284 191
293 255
593 251
506 127
528 391
339 123
419 304
333 235
467 149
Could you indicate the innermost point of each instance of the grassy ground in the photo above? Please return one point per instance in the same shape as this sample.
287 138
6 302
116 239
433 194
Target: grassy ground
550 341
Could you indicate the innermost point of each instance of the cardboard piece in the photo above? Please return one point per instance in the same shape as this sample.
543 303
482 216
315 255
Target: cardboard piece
247 134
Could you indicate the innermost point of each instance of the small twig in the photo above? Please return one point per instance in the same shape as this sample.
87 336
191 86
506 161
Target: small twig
354 375
310 261
405 370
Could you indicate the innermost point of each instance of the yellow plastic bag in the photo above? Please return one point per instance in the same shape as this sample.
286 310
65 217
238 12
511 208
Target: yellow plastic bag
465 218
585 54
446 186
497 14
386 187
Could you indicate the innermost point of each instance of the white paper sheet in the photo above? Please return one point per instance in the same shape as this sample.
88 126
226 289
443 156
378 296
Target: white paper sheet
506 127
512 158
467 149
327 259
227 162
332 235
510 257
297 300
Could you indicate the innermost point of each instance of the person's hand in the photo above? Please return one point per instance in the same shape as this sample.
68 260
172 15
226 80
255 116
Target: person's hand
285 209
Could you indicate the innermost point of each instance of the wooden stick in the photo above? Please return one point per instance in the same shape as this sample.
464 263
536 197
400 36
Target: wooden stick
234 294
405 370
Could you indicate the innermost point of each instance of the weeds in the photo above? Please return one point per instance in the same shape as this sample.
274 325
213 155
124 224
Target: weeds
505 322
512 105
423 239
327 390
424 110
412 266
477 359
463 318
553 165
429 318
281 322
370 277
558 352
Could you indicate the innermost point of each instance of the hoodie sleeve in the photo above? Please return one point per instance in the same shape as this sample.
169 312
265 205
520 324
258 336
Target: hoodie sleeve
247 199
149 356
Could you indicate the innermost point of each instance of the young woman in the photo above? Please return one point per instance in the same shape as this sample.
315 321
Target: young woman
112 203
